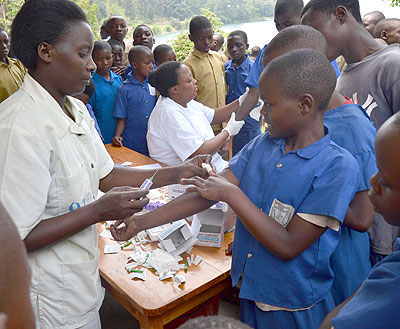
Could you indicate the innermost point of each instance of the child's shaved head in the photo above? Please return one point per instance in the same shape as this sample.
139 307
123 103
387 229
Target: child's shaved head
288 7
304 71
389 30
292 38
138 52
329 7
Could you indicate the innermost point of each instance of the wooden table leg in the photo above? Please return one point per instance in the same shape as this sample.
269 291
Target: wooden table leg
151 322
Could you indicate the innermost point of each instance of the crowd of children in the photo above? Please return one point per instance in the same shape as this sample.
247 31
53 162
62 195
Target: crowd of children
317 196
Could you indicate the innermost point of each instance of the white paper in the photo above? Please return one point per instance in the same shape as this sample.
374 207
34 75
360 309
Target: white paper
106 234
111 249
196 225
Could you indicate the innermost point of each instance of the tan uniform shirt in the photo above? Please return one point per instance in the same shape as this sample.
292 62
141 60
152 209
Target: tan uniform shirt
11 77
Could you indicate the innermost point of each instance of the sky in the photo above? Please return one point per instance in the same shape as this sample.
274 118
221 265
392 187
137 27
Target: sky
367 6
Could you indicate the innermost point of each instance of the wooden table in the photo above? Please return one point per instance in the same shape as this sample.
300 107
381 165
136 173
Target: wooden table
154 303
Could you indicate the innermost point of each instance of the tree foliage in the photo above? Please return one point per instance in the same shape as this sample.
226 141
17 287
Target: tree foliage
395 3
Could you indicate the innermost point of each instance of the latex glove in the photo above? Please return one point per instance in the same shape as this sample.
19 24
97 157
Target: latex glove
255 113
241 98
233 126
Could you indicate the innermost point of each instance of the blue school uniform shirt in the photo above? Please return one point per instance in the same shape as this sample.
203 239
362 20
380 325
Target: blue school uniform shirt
351 129
129 69
376 304
135 102
319 179
236 80
103 101
257 69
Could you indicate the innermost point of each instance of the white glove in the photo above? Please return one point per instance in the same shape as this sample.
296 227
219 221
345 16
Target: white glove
255 113
241 98
233 126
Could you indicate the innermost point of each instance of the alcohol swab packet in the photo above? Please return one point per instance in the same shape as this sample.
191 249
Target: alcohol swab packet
207 166
179 279
111 249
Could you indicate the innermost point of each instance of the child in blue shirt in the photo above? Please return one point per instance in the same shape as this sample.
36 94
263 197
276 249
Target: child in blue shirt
163 53
290 188
107 84
376 303
135 102
350 128
236 72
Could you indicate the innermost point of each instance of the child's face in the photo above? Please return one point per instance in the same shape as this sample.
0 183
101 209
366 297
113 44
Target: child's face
4 45
237 47
385 191
329 26
143 37
117 28
117 54
144 65
393 34
202 39
187 85
70 64
168 56
286 20
280 112
103 60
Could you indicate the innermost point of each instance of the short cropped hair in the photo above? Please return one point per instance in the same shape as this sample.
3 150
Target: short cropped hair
297 37
329 6
378 15
142 25
42 21
161 49
385 25
304 71
165 77
291 7
104 25
137 52
101 45
198 23
115 42
213 322
238 33
90 89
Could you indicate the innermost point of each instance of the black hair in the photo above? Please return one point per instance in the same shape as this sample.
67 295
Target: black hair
115 42
198 23
101 45
304 71
329 7
256 49
238 33
137 52
164 77
213 322
90 88
114 17
297 37
378 15
291 7
104 25
42 21
161 49
142 25
384 25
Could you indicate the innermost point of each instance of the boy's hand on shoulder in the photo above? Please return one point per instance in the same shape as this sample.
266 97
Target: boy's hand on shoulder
117 141
194 167
215 187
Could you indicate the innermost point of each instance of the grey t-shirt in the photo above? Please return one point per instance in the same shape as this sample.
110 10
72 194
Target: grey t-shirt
374 83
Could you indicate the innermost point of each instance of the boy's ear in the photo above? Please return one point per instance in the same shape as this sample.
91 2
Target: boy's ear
45 52
306 103
383 35
134 66
341 14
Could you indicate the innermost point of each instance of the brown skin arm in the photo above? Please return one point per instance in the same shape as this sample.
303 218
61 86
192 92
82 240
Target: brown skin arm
248 103
223 113
327 323
285 243
360 214
212 146
119 129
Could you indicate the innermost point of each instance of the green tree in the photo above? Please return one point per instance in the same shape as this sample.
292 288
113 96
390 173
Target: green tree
395 3
8 10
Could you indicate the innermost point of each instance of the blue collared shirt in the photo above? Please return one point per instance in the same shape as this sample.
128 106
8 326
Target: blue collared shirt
236 80
320 179
351 128
135 102
103 101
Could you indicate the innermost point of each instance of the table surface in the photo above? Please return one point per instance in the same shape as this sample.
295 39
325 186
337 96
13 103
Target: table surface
153 297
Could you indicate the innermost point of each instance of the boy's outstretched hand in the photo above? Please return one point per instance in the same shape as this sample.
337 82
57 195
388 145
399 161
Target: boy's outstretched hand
193 167
127 231
215 187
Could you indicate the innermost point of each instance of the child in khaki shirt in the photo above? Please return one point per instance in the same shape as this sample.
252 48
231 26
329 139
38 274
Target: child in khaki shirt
206 66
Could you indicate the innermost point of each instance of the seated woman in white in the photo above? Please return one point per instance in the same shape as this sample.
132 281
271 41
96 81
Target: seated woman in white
179 127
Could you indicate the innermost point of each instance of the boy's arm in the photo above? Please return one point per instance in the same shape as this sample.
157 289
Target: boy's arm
223 113
360 213
186 205
248 103
119 129
212 145
284 242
